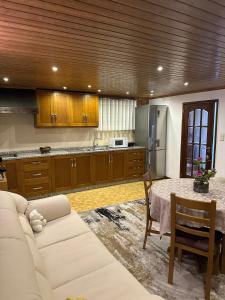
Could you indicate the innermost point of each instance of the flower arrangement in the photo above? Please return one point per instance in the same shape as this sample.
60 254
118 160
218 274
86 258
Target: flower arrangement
202 174
201 182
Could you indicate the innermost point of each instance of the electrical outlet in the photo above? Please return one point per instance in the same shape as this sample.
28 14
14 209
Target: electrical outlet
222 136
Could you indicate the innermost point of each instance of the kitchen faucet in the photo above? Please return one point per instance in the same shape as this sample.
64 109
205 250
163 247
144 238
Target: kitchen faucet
94 142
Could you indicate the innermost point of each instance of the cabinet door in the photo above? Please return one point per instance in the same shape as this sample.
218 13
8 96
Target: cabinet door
91 110
101 162
83 169
62 173
77 109
44 117
61 109
13 175
118 170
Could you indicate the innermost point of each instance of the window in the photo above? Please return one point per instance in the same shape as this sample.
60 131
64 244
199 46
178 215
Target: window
116 114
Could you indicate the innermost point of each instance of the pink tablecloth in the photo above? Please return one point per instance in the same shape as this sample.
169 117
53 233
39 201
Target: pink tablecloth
160 200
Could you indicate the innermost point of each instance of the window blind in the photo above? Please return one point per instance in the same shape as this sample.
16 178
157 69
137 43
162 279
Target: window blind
116 114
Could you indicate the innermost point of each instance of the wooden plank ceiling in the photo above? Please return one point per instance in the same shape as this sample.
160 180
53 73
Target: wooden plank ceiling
115 46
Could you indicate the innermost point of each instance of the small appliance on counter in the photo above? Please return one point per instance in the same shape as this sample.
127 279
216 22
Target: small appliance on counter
118 142
45 149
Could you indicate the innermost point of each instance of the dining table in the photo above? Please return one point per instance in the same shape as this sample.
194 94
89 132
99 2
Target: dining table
159 197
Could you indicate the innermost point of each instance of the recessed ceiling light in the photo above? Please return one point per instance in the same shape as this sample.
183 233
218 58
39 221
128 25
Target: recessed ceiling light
89 86
54 69
160 68
99 91
64 87
127 93
186 83
6 79
152 92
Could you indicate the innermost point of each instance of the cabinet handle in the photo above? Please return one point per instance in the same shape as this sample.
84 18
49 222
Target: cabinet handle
36 174
38 188
71 162
86 119
35 162
75 163
109 159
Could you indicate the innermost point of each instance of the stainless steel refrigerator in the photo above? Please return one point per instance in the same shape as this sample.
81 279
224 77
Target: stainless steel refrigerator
150 132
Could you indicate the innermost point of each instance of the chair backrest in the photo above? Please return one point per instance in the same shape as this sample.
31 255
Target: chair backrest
186 210
147 178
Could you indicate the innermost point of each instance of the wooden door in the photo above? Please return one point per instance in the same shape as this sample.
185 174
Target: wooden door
198 136
118 171
44 117
102 167
91 110
62 173
83 170
77 117
61 109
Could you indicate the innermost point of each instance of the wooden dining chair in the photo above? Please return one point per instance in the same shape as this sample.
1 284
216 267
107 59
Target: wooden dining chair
200 241
147 178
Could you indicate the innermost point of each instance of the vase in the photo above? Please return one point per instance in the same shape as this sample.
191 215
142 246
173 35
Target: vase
201 186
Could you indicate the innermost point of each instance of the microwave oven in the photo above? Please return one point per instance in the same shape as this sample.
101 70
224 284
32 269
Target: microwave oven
118 142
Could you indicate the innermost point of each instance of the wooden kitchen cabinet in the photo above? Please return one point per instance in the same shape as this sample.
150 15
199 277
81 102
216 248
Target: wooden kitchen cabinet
35 174
101 167
118 166
71 171
53 109
42 175
91 113
62 175
83 164
13 176
66 109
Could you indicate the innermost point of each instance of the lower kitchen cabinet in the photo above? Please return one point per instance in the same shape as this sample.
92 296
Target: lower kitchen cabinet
62 173
101 167
83 174
118 165
37 176
13 176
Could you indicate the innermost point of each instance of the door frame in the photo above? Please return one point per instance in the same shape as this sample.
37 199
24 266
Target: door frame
215 101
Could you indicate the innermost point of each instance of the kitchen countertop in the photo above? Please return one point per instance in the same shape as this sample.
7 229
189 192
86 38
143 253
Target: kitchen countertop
60 151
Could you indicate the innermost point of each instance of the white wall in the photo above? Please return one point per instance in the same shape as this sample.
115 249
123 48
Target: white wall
17 132
174 126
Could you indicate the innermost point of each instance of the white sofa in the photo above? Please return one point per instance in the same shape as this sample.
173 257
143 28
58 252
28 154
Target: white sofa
65 260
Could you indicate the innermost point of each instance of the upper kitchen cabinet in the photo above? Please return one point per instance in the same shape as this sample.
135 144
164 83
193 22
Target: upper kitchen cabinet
53 109
91 110
66 109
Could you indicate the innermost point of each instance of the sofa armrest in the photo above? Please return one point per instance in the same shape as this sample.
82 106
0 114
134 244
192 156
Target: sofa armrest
51 207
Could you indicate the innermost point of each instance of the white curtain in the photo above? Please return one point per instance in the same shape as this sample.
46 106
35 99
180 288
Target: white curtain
116 114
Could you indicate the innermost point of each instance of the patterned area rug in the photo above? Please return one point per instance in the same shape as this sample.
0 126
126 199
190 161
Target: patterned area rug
105 196
121 229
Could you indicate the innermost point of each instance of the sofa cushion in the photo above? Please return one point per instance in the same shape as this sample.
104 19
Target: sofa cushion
110 282
74 257
36 256
44 286
51 207
61 229
17 276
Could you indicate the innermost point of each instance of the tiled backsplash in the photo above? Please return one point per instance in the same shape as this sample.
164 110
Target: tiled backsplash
17 132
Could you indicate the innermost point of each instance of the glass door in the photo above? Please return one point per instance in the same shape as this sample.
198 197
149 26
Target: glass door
198 136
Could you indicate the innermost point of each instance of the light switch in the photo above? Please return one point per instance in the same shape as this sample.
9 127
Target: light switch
222 136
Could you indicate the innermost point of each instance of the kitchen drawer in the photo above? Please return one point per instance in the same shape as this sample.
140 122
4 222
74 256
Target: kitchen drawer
135 162
33 181
37 188
135 155
35 165
36 174
135 170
